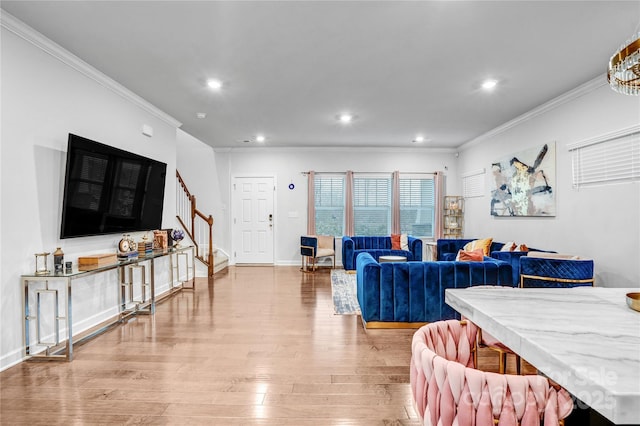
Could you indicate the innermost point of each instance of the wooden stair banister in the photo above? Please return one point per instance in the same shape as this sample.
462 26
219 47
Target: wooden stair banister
197 225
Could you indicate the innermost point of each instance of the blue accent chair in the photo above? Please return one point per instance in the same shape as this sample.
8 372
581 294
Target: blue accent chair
313 247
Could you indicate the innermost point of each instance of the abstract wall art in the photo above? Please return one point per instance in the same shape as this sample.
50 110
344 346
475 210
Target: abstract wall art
524 183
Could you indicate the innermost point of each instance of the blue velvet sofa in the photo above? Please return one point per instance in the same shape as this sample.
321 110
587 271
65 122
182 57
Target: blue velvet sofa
376 247
447 249
409 294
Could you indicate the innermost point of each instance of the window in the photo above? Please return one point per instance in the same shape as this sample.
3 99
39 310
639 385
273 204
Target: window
372 206
329 204
473 184
611 158
417 203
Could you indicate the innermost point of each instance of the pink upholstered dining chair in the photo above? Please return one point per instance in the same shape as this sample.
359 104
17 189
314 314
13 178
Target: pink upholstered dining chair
485 340
447 390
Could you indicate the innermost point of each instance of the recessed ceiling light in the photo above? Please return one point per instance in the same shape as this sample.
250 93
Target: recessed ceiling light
489 84
418 139
201 115
214 84
346 118
260 138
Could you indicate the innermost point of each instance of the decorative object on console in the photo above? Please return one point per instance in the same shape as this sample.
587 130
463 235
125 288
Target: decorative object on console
41 263
160 240
68 267
95 260
145 246
58 260
524 183
624 68
177 235
127 248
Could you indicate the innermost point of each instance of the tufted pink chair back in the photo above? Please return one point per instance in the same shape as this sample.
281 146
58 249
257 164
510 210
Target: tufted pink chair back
448 391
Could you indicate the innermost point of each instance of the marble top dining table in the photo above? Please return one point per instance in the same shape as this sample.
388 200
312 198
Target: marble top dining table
585 338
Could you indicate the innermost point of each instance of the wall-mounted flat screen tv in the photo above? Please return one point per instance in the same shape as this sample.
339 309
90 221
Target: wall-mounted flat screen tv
108 190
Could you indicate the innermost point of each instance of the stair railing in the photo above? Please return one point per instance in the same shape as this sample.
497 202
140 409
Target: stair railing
196 224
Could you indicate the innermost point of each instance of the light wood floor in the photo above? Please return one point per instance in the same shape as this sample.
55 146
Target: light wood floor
255 346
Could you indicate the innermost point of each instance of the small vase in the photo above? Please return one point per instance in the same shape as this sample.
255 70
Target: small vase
58 260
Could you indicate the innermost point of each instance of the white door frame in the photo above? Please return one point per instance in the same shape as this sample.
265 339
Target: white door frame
234 231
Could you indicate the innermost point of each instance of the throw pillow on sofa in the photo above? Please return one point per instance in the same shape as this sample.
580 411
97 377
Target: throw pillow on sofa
509 246
395 242
399 242
476 255
484 244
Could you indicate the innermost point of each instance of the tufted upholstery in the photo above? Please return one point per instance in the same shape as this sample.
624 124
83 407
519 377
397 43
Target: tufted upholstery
447 249
448 391
414 291
376 247
551 272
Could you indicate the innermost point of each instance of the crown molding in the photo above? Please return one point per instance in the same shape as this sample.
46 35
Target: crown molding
388 149
616 134
581 90
19 28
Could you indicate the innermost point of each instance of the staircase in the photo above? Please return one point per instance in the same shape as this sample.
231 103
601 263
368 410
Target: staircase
199 228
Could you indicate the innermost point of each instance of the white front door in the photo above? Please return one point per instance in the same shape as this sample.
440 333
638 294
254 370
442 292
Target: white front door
253 219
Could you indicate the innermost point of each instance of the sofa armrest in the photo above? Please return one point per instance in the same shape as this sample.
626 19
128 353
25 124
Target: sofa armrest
368 285
348 248
308 245
415 247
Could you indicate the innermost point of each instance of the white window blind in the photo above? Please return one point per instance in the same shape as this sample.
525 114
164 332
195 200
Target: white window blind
473 184
371 206
329 204
417 206
611 158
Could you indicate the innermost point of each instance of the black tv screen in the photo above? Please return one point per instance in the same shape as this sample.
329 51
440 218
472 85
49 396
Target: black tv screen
108 190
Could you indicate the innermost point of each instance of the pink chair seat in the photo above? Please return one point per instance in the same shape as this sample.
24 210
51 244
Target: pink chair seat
448 391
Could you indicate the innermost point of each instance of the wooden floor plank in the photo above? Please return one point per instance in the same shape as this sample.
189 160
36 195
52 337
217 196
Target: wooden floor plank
255 346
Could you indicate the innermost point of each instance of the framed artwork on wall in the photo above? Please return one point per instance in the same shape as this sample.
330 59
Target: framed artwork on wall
524 183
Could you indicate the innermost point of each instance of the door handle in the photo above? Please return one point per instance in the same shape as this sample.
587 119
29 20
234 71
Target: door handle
270 220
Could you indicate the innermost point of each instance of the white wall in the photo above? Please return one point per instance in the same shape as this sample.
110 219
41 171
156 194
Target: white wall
287 164
602 223
197 165
43 100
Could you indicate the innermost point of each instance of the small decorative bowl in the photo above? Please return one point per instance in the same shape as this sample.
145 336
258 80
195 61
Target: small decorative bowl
633 301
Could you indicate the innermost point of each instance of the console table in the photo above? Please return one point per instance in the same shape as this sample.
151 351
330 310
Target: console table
63 349
584 338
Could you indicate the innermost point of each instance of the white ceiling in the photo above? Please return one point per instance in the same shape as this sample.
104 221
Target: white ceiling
289 67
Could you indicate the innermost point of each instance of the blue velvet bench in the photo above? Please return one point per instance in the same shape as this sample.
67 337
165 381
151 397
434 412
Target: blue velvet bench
410 294
376 247
555 272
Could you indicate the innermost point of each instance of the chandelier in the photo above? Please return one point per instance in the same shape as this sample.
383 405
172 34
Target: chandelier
624 68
